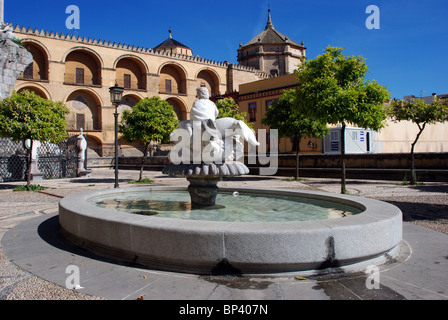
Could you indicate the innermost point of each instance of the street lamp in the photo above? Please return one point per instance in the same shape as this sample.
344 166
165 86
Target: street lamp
116 93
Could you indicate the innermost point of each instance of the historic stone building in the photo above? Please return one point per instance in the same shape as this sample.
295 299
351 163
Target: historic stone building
254 98
275 54
79 72
272 52
278 56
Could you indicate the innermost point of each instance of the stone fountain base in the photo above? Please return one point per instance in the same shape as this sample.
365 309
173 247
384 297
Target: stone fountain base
203 191
213 247
204 179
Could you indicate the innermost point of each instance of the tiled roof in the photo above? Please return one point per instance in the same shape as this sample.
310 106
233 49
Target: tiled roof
271 36
170 43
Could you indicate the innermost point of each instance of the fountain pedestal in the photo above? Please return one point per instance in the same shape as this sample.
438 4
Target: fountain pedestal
203 191
204 179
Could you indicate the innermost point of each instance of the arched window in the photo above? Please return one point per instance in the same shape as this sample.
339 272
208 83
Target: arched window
82 68
210 80
84 111
38 70
178 107
131 74
172 80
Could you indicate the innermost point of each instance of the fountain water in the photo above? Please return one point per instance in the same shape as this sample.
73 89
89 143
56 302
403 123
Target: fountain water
368 231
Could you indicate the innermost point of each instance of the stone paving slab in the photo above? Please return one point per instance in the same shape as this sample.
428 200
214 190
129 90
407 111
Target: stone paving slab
35 247
32 262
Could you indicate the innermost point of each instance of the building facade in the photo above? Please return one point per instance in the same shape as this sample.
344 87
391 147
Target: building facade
396 137
254 98
79 72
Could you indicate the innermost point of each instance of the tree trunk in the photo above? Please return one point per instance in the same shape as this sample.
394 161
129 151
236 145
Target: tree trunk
298 138
143 162
343 189
412 179
413 176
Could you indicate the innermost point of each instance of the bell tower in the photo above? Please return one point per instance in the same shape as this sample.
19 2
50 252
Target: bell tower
272 52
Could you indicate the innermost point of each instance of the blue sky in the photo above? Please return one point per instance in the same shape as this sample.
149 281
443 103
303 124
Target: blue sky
408 54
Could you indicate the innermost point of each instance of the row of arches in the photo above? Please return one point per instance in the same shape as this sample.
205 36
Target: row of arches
86 114
85 104
84 66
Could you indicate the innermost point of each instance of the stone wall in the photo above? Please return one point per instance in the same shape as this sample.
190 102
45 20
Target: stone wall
13 61
368 161
430 166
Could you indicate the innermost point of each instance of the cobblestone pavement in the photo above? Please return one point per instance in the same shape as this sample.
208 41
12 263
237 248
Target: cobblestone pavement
425 205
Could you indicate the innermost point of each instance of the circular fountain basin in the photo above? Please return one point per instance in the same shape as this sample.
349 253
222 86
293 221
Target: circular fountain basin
369 234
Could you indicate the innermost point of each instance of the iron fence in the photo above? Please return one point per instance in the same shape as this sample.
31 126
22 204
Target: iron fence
54 160
12 160
58 160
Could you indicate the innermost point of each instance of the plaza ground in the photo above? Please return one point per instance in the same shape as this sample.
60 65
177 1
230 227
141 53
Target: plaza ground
33 259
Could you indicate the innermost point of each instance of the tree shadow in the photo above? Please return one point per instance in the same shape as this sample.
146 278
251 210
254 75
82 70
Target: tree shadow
442 188
421 211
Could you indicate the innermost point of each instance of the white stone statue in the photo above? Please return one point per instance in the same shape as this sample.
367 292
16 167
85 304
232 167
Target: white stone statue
220 139
81 143
203 108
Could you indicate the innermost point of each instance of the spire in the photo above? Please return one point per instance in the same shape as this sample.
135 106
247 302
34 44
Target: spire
269 25
169 30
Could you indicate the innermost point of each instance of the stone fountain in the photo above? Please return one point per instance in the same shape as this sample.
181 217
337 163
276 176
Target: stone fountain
210 150
194 237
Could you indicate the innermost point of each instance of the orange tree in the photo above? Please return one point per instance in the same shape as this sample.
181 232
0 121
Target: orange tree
151 119
282 116
26 115
420 113
333 89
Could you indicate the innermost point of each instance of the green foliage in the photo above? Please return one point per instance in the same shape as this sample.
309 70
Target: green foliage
333 88
142 181
18 42
28 116
282 115
227 107
419 112
31 187
151 119
294 179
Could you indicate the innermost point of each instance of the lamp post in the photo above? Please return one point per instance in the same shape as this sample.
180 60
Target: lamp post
116 93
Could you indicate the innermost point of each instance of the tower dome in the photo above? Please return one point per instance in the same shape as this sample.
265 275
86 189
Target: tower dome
271 51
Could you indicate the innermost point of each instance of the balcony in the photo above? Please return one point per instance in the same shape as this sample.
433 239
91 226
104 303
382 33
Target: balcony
77 80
